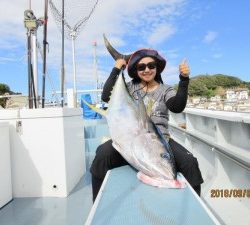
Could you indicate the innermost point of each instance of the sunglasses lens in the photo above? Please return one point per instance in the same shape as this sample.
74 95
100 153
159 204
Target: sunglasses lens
151 65
142 66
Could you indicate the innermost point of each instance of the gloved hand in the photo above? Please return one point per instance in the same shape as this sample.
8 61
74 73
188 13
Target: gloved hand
184 68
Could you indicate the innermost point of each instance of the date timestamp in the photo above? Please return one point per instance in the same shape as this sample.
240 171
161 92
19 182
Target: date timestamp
230 193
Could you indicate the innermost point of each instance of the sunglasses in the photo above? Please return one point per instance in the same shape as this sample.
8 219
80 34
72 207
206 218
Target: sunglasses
142 66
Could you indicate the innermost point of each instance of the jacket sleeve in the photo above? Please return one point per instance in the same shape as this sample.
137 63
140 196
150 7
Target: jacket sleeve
178 102
109 84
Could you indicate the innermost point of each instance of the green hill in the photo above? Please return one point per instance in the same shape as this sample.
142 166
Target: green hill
211 85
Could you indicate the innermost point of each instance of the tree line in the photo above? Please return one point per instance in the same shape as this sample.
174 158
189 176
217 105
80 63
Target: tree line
4 88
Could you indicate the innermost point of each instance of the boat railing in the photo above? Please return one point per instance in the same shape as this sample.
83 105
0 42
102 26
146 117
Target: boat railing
220 141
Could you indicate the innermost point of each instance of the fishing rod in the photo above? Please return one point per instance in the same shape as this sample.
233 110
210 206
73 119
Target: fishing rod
44 49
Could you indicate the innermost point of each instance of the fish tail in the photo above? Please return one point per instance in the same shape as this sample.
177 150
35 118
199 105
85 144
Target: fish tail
98 110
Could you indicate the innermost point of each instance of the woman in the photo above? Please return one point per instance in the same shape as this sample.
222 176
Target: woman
145 67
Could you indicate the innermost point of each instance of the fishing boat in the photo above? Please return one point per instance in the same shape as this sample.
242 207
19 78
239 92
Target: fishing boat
46 153
45 176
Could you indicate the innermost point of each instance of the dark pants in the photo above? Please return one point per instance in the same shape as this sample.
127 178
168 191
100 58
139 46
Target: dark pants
108 158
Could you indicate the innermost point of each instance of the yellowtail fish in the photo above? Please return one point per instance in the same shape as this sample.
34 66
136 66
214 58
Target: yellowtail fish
138 140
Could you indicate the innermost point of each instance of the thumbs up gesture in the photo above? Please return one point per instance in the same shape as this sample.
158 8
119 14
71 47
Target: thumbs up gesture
184 68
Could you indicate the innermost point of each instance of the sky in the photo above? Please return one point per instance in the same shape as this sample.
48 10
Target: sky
212 35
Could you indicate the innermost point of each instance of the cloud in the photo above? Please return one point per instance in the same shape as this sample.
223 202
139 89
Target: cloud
8 59
217 55
210 36
161 34
128 25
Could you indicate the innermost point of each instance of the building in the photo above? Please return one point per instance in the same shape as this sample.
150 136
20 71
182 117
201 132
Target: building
237 94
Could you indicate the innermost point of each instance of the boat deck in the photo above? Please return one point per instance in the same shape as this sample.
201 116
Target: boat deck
72 210
124 198
50 211
219 172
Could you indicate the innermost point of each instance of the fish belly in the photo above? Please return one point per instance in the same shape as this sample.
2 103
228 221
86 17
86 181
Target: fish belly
161 183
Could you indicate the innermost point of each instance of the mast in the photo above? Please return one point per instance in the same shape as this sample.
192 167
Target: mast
34 74
95 71
29 69
62 62
31 23
73 38
44 49
95 65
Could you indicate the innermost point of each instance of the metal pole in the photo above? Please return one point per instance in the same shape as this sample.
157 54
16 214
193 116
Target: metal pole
73 35
31 24
44 49
95 70
29 68
34 67
33 88
62 62
95 65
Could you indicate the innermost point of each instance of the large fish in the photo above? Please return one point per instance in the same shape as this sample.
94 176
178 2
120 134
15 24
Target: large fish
137 139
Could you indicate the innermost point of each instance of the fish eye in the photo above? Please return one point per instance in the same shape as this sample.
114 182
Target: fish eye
165 155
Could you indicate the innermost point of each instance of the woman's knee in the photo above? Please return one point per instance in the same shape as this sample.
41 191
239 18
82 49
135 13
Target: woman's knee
191 172
105 152
106 158
101 157
191 162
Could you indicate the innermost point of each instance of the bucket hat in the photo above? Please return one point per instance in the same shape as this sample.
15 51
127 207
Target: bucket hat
138 55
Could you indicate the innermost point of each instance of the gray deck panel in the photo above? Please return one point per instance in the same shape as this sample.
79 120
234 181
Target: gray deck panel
72 210
125 200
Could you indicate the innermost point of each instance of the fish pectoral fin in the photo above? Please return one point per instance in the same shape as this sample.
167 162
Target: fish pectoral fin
105 139
93 107
161 183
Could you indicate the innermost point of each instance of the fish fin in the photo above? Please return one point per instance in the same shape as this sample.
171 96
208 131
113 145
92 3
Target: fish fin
113 52
161 183
93 107
105 139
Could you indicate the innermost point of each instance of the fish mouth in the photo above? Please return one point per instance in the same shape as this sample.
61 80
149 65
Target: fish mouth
113 52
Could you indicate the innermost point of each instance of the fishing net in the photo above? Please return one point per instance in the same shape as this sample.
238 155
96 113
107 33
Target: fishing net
76 14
